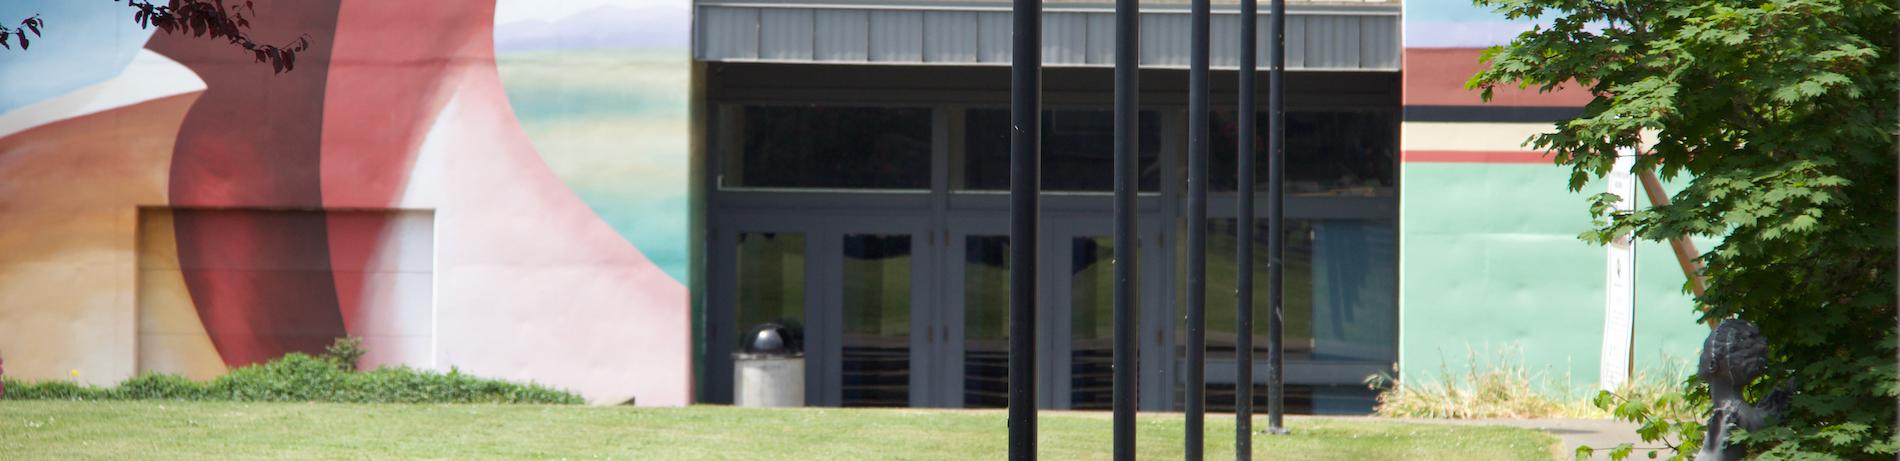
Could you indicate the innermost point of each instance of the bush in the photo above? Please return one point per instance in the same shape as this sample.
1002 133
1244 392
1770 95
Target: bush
301 378
53 390
347 352
159 386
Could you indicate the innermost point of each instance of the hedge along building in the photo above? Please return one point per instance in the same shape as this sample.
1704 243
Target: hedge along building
504 189
851 158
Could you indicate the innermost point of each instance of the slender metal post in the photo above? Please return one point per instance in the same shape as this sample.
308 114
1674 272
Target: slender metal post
1243 236
1197 230
1276 211
1025 184
1127 109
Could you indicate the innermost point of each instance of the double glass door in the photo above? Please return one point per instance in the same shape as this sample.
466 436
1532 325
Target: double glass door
904 311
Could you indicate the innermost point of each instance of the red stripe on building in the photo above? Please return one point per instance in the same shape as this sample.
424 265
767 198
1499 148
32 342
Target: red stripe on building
1473 156
1437 76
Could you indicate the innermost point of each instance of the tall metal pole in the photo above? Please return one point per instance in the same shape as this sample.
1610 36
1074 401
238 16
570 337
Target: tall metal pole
1127 61
1276 211
1243 257
1197 229
1025 184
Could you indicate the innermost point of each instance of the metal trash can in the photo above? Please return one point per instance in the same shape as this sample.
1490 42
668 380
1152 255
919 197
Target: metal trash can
770 372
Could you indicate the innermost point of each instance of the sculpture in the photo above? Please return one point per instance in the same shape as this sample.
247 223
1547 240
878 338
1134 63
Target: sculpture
1734 356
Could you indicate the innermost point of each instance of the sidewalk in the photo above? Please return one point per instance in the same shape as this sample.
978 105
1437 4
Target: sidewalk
1601 434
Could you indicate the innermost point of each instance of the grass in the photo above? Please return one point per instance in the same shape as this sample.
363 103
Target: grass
219 430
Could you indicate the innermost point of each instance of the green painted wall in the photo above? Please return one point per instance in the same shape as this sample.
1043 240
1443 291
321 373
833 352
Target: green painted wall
1492 272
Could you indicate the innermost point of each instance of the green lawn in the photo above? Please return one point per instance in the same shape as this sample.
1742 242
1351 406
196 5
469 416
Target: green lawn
181 430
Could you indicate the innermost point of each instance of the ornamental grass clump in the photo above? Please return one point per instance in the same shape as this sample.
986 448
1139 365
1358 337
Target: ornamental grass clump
1506 389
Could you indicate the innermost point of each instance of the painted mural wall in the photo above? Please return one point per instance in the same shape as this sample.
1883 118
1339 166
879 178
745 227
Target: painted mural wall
495 187
1492 269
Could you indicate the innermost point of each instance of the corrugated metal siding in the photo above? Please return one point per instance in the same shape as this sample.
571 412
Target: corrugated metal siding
992 38
955 34
1065 38
1315 41
843 35
897 36
785 34
1164 40
728 33
1374 31
1101 39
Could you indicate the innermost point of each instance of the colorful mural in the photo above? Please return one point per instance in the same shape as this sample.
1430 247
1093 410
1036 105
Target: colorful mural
1489 229
171 206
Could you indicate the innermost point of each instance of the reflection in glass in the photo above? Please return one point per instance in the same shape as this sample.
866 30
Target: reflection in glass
876 343
1092 323
825 147
1327 152
1078 150
1341 282
771 269
986 321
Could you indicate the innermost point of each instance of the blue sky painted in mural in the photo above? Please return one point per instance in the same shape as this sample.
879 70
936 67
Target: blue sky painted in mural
1456 24
72 54
591 24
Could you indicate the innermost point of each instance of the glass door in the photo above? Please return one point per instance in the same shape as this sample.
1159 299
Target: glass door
854 291
975 321
1083 255
1075 322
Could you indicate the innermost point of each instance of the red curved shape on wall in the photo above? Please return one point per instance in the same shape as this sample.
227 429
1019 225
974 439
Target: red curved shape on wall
261 281
389 70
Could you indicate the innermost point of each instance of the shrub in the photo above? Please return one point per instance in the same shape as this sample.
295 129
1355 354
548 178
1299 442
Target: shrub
53 390
301 378
159 386
347 352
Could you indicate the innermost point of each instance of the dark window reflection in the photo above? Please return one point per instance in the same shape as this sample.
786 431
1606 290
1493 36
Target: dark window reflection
771 269
1327 153
986 322
827 147
1340 293
1092 323
876 343
1078 150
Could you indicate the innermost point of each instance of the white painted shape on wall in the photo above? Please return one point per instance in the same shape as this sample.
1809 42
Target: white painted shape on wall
1619 285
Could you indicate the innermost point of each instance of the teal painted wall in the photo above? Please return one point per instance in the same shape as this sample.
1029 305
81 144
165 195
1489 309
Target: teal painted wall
1492 270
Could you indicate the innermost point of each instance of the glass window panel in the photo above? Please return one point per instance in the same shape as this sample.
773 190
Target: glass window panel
1348 153
771 270
825 147
1092 323
986 321
1340 295
1078 150
876 343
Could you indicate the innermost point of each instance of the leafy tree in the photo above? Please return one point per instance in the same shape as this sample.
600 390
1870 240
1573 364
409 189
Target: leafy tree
1781 115
200 18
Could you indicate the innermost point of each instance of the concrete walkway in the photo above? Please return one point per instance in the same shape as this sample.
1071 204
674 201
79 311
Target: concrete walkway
1601 434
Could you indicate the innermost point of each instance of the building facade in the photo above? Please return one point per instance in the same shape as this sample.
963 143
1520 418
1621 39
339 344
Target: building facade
852 160
604 195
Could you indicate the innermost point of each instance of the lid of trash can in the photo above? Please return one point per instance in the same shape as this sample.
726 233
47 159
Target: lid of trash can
771 339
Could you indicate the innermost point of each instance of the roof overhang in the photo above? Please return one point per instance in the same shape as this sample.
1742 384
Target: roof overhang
1320 37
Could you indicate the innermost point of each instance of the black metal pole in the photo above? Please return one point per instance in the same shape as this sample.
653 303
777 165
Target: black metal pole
1276 211
1243 257
1127 61
1197 230
1025 184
